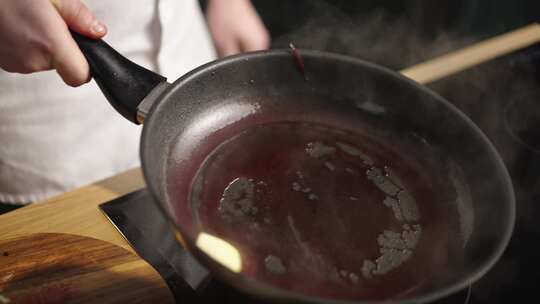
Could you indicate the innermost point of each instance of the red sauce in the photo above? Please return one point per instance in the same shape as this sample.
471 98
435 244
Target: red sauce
305 205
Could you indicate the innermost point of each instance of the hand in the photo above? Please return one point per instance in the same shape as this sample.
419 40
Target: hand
236 27
34 37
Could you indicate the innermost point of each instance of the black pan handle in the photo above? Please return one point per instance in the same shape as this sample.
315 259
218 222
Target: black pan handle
123 82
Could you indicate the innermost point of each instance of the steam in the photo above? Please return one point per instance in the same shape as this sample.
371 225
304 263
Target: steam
484 93
377 37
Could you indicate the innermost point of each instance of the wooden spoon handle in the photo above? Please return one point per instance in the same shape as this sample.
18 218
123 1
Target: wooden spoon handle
467 57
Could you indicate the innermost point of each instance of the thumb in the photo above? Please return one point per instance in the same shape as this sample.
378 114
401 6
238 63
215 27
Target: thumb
79 18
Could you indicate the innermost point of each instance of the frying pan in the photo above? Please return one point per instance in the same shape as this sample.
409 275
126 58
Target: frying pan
211 107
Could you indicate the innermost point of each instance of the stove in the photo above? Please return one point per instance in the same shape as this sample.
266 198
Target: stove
502 97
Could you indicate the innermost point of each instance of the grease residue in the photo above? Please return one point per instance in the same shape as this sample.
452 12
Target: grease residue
322 211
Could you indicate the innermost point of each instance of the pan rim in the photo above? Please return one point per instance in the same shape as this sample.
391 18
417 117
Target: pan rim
273 292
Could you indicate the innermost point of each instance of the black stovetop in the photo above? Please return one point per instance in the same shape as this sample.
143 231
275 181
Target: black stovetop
502 97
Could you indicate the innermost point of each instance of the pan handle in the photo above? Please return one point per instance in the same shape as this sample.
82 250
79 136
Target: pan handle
124 83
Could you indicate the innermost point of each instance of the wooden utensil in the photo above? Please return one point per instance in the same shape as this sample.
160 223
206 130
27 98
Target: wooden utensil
475 54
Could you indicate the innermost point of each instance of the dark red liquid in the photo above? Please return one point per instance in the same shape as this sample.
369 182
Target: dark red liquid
306 205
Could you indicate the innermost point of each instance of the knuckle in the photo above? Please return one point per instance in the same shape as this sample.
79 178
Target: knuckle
41 43
45 46
75 9
39 59
35 64
79 14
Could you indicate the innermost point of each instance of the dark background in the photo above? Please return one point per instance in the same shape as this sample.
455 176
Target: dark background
501 96
394 33
479 17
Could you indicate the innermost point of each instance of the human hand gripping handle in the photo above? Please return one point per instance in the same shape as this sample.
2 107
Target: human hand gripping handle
124 83
34 37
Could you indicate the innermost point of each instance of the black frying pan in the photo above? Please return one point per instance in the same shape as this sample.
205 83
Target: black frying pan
257 112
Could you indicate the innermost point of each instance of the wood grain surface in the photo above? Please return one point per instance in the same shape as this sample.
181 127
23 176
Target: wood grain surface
48 268
74 212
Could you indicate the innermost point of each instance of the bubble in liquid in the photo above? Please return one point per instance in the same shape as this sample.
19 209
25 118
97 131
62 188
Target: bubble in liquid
330 166
355 152
411 237
394 205
367 269
391 259
354 277
393 177
238 198
382 182
395 248
317 149
409 209
274 264
299 253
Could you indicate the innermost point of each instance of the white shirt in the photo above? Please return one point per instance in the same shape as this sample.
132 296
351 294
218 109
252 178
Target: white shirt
54 138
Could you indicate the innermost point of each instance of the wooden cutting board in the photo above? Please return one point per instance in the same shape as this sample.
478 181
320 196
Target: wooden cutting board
54 268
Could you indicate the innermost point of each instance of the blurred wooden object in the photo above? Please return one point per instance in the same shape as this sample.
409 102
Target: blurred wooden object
74 212
475 54
64 268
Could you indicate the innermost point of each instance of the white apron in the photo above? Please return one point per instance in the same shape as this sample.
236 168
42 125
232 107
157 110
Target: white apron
54 138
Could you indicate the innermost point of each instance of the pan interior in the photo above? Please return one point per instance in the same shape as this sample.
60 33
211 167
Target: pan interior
319 202
353 184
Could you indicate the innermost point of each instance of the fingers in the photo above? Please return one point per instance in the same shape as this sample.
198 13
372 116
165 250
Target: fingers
255 41
70 63
35 37
236 27
247 41
229 48
234 42
67 58
254 36
79 18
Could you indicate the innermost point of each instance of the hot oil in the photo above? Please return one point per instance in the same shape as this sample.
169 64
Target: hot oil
327 213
